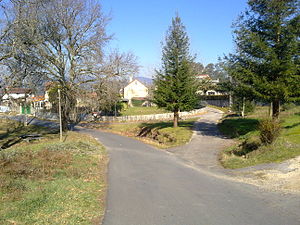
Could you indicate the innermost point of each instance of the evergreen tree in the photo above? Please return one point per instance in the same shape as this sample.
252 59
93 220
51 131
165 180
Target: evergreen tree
175 86
267 51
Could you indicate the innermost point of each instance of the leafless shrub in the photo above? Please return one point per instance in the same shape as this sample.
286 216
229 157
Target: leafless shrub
269 130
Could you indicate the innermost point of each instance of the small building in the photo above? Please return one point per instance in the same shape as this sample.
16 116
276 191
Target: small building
211 82
138 88
17 99
209 94
38 103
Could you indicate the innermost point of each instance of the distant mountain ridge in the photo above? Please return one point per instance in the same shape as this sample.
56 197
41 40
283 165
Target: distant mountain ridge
145 80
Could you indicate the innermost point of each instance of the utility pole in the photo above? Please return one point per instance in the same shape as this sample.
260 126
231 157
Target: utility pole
230 95
25 109
59 112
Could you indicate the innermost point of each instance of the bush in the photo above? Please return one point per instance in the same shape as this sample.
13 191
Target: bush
269 130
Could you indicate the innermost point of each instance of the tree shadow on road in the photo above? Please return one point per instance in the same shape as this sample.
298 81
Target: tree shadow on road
208 129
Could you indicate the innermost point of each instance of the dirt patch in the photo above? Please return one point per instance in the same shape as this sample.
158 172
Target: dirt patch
282 177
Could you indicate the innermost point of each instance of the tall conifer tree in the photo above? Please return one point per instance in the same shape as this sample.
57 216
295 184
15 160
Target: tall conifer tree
175 86
267 51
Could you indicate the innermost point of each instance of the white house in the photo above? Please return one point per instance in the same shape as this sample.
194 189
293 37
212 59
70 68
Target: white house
213 82
137 88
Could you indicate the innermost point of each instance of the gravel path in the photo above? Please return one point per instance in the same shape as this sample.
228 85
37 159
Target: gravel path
206 142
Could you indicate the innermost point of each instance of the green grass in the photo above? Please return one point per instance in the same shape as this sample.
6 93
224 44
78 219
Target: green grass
236 127
132 111
245 130
159 134
52 182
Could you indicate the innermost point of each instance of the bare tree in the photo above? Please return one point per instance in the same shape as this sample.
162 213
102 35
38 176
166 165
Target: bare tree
119 64
63 41
112 78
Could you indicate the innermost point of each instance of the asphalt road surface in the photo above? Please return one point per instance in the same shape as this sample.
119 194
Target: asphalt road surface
148 186
151 187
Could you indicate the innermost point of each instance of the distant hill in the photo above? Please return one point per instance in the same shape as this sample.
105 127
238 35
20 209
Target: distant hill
145 80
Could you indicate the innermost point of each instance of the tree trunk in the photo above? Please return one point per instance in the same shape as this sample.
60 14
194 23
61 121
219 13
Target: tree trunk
64 121
271 110
276 108
243 107
230 100
176 118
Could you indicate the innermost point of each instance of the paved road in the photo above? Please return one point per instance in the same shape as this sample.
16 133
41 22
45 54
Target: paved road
33 121
151 187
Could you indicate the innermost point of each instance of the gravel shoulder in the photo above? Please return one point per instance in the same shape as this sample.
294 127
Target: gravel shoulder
283 177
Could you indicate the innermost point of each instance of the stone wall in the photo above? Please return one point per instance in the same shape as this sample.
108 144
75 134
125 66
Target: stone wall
163 116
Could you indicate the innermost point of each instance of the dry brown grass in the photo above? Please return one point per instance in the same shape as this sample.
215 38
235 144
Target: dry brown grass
52 182
34 165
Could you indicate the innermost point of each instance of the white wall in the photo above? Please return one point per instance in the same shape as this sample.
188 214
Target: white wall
135 89
13 96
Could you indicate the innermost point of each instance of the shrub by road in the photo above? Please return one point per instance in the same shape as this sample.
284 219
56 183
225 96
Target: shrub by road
250 150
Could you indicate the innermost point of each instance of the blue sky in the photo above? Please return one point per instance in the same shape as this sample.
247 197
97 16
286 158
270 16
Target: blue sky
140 26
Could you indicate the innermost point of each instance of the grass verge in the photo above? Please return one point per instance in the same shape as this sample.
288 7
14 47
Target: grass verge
159 134
249 151
52 182
132 111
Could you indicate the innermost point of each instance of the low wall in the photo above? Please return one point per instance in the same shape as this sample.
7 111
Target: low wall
163 116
